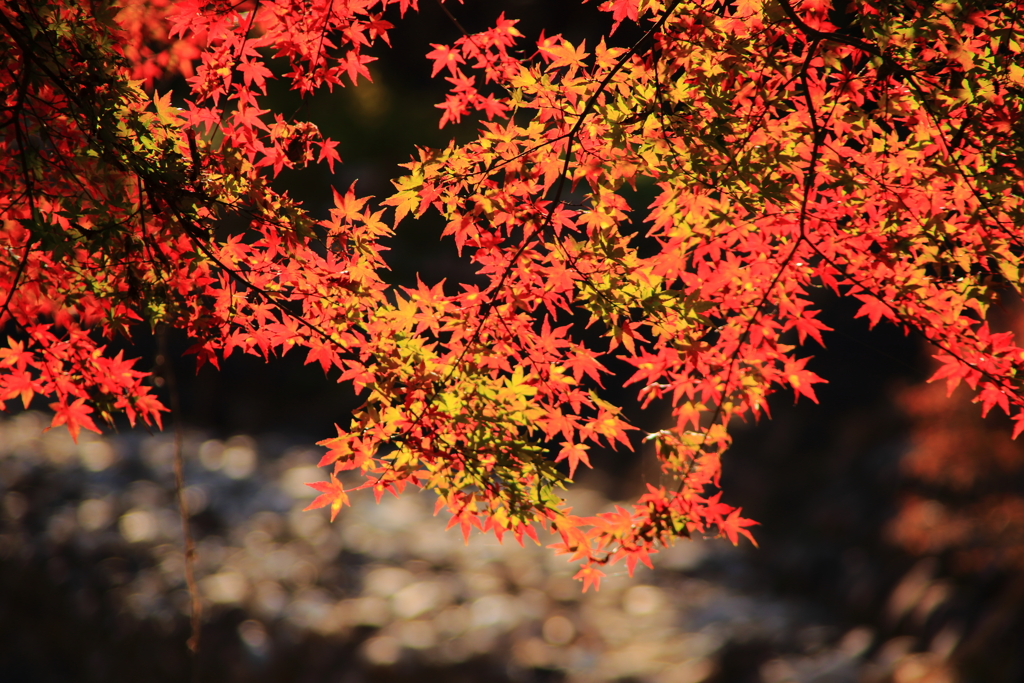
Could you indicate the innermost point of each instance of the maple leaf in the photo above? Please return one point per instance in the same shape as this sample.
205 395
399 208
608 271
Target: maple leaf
639 553
329 153
342 452
331 493
622 10
734 525
583 363
406 5
990 396
749 8
322 351
14 355
875 309
254 72
444 57
407 199
466 519
565 55
165 111
454 107
74 415
809 326
590 576
348 207
490 106
618 523
1018 425
575 454
801 379
21 384
461 82
149 407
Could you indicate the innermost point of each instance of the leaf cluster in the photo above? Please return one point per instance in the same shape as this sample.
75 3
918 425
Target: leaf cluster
873 149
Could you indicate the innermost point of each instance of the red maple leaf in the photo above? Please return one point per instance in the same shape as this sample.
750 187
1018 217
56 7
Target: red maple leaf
331 493
75 415
444 57
575 454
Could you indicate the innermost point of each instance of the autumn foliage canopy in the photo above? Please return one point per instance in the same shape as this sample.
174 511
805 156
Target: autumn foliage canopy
873 148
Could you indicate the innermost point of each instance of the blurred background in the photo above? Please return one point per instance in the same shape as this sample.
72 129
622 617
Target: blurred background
891 537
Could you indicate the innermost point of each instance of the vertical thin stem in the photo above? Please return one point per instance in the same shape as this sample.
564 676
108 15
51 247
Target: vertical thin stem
166 370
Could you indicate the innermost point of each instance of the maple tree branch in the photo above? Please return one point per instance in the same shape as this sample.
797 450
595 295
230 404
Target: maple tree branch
192 229
735 355
29 186
455 22
165 368
487 306
817 35
323 33
810 175
817 139
925 101
58 78
1014 391
898 68
910 76
238 56
967 175
18 274
574 132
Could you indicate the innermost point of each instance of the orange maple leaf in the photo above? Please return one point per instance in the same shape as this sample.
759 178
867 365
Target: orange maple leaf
331 493
75 416
575 453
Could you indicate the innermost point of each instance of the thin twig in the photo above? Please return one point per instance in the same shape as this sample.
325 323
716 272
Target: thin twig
166 370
